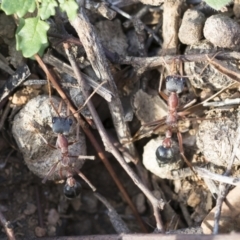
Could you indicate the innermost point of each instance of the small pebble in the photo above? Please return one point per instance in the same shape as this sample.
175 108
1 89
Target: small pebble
191 30
31 208
222 31
53 217
40 232
51 230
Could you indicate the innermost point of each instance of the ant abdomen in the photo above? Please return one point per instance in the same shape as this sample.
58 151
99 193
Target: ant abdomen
164 155
72 188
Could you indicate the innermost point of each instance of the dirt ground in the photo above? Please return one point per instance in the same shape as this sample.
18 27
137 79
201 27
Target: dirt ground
170 39
31 205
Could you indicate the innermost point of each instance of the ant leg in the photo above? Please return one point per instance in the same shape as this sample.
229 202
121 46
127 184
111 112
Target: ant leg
60 173
80 174
49 144
71 143
51 171
42 137
180 141
163 95
54 107
60 107
83 157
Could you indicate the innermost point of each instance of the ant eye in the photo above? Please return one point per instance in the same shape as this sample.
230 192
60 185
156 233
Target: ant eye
168 78
53 119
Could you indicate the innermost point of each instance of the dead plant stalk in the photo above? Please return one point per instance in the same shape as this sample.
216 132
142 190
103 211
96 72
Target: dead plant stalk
89 134
156 204
97 58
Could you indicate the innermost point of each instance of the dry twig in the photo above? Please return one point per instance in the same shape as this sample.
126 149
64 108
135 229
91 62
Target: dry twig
149 30
171 18
99 63
144 64
118 224
101 8
87 131
7 227
150 237
156 204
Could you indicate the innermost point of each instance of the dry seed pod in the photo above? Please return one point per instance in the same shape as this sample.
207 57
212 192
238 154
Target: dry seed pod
38 156
222 31
191 29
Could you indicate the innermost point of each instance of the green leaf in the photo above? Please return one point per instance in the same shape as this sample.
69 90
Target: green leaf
20 7
18 39
217 4
47 9
31 36
70 7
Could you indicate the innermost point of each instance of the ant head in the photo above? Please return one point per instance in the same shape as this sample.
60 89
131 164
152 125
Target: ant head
72 188
61 125
175 83
164 155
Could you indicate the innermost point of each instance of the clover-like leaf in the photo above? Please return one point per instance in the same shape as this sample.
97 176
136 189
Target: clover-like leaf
31 36
47 9
20 7
70 7
18 39
217 4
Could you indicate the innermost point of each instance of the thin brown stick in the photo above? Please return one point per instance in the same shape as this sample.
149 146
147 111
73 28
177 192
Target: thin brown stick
7 227
111 148
224 69
96 145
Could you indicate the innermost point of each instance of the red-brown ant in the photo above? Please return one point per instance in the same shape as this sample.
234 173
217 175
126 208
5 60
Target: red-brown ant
61 126
174 85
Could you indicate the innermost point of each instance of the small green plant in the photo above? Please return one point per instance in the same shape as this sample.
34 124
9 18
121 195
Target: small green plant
31 34
217 4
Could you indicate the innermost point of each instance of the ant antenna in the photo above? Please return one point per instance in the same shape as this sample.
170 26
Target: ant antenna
85 103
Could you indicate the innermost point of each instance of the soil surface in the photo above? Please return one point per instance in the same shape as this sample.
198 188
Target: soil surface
162 30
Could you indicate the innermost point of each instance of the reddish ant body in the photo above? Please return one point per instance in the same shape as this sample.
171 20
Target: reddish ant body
164 153
61 126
